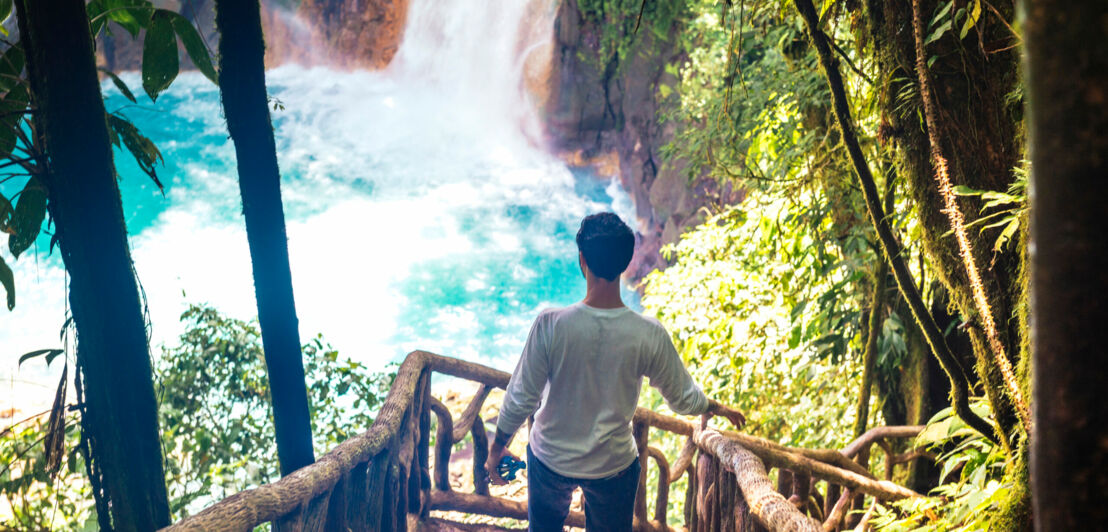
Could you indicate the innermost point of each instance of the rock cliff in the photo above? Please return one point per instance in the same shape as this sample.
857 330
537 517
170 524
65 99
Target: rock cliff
338 33
356 34
602 109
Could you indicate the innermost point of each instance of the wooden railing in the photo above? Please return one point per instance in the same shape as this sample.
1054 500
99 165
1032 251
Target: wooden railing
382 479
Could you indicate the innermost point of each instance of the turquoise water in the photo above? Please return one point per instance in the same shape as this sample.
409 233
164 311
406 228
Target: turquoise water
415 221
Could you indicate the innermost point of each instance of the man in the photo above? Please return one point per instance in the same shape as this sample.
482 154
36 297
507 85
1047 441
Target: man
585 364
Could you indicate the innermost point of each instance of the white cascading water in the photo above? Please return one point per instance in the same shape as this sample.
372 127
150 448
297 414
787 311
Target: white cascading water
473 54
421 212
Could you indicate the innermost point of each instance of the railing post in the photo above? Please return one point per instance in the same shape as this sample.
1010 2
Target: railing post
338 504
376 486
801 496
392 493
480 454
356 498
444 444
661 502
705 476
420 426
784 481
640 431
727 487
829 500
293 522
744 521
692 496
714 496
315 518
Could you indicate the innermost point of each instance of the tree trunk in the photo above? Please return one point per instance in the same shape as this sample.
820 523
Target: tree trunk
245 104
1067 57
873 333
120 414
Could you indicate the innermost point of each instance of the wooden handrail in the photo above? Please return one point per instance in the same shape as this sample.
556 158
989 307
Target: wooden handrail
768 506
269 502
379 479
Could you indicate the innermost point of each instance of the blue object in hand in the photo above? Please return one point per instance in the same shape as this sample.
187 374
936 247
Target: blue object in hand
508 467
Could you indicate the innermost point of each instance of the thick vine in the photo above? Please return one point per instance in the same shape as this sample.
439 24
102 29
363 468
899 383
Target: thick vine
958 225
959 383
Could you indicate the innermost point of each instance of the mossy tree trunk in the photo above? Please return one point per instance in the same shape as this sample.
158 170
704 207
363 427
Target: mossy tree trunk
246 106
1067 58
119 414
975 86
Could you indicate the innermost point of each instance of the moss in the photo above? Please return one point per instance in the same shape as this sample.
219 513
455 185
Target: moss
1023 310
1015 513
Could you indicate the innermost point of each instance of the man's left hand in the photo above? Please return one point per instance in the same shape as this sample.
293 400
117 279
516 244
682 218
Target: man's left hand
719 409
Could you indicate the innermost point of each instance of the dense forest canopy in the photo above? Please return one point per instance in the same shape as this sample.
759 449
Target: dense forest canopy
867 171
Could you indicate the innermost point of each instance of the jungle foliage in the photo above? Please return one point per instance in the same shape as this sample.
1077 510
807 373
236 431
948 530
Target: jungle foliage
216 419
769 301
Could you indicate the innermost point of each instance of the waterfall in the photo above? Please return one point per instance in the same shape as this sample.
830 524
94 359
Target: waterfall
475 53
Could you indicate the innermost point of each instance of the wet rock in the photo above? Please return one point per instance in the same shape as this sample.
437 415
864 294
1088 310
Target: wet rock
339 33
601 108
356 33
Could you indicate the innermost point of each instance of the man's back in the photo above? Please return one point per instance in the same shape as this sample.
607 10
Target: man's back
587 365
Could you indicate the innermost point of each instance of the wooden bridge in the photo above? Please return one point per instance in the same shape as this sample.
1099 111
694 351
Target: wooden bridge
384 479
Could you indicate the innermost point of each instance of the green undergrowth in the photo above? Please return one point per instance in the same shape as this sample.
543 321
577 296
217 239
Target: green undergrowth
979 487
216 422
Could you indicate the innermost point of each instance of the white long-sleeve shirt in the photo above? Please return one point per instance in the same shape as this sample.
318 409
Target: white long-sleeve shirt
586 366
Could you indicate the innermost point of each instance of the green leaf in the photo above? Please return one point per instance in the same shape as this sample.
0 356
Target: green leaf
119 84
194 45
96 17
939 32
61 334
132 15
12 107
980 221
6 212
160 63
15 99
963 190
11 66
941 14
29 213
994 199
143 149
5 12
1006 235
7 278
971 20
50 353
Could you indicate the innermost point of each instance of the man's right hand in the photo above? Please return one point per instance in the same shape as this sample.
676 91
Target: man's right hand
719 409
498 450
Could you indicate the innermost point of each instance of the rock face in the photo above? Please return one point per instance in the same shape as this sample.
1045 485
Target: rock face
357 33
601 109
338 33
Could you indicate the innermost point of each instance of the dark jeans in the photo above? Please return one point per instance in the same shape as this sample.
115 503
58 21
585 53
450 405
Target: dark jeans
609 502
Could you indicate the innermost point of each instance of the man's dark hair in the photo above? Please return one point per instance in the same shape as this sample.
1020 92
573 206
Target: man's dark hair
606 243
